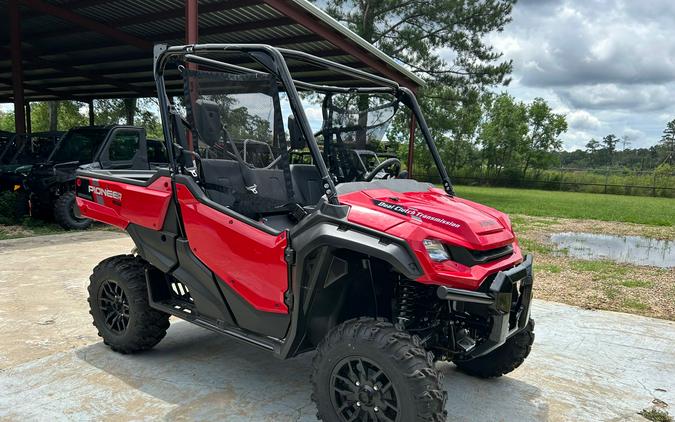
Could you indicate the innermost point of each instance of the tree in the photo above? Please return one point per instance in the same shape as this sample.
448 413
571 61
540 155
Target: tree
592 148
66 113
53 113
413 31
130 109
7 121
442 41
502 133
545 128
610 141
668 142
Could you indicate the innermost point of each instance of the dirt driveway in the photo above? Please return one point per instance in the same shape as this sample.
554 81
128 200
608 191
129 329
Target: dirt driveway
585 365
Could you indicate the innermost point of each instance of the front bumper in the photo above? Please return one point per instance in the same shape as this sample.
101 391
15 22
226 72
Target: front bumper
508 304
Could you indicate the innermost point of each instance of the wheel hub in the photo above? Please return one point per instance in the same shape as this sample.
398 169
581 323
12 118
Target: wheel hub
367 395
361 391
114 306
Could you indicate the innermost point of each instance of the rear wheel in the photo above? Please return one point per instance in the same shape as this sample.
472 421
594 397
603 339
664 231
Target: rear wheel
65 213
504 359
118 302
21 208
370 370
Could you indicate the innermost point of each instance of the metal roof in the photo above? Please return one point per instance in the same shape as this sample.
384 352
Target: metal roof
65 57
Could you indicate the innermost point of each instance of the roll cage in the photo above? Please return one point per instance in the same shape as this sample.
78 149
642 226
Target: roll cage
274 61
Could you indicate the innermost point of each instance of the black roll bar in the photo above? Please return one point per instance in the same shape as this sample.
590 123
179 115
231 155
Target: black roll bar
277 66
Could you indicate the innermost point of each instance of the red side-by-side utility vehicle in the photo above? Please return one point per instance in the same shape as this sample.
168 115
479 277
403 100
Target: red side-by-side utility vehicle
381 276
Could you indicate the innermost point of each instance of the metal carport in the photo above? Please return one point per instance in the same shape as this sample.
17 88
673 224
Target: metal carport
91 49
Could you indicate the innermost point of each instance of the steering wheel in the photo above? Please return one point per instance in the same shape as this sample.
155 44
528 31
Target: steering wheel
389 162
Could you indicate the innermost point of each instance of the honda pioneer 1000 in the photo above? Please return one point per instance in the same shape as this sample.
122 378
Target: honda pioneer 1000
382 277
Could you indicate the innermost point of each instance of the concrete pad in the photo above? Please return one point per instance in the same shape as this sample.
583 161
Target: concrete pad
585 365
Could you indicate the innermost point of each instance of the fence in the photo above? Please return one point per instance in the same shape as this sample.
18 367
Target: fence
611 181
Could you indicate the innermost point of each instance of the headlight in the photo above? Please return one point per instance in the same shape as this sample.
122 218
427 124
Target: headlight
436 250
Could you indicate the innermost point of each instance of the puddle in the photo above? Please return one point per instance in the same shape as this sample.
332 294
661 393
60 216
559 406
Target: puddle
635 250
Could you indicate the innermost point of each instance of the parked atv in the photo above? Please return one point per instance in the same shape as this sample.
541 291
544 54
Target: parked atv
5 138
366 160
51 184
27 150
382 278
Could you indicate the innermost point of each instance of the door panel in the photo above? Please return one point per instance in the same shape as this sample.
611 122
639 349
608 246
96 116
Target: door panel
250 261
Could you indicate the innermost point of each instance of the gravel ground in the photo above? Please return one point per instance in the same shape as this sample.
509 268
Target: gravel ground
584 366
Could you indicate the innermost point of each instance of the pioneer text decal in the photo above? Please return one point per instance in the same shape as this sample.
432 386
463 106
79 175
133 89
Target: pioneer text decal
105 192
413 212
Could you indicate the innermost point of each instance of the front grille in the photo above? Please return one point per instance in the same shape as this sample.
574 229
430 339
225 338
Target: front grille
471 257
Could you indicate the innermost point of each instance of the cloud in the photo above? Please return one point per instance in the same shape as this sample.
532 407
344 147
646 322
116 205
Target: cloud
609 65
580 119
619 97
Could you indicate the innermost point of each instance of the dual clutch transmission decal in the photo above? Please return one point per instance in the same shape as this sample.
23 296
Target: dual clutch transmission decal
415 213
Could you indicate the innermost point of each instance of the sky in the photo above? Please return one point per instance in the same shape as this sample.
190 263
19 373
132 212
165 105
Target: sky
609 65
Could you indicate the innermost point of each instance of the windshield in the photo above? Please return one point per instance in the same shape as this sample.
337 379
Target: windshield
354 128
10 149
36 148
79 145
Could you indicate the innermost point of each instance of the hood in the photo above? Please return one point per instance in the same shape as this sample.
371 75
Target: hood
441 216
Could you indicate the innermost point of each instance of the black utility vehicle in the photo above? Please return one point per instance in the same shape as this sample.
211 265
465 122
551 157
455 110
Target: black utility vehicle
19 155
51 184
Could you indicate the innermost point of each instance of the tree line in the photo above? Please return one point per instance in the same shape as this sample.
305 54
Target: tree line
63 115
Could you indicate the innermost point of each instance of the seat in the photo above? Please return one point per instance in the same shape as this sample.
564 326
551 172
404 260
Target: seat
306 183
222 180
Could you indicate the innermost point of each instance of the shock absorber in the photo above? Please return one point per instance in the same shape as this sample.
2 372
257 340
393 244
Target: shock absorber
412 305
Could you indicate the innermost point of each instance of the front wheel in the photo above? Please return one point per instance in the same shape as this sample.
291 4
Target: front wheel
118 302
371 370
504 359
65 213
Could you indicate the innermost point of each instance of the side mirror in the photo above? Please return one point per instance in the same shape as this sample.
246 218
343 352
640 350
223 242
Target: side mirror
295 133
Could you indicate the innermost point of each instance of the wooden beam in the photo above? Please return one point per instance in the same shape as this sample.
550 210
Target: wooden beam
90 24
29 123
191 22
17 71
108 62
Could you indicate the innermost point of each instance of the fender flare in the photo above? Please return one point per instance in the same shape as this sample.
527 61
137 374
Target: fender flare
320 236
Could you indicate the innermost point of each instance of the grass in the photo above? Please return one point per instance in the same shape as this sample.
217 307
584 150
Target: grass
601 269
635 304
656 415
28 228
631 209
632 284
549 268
530 245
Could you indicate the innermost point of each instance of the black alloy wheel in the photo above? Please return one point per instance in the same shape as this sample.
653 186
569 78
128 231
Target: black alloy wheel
114 306
363 392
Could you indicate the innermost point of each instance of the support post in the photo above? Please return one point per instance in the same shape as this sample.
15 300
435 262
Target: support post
130 109
91 112
191 37
411 146
29 126
191 22
17 68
